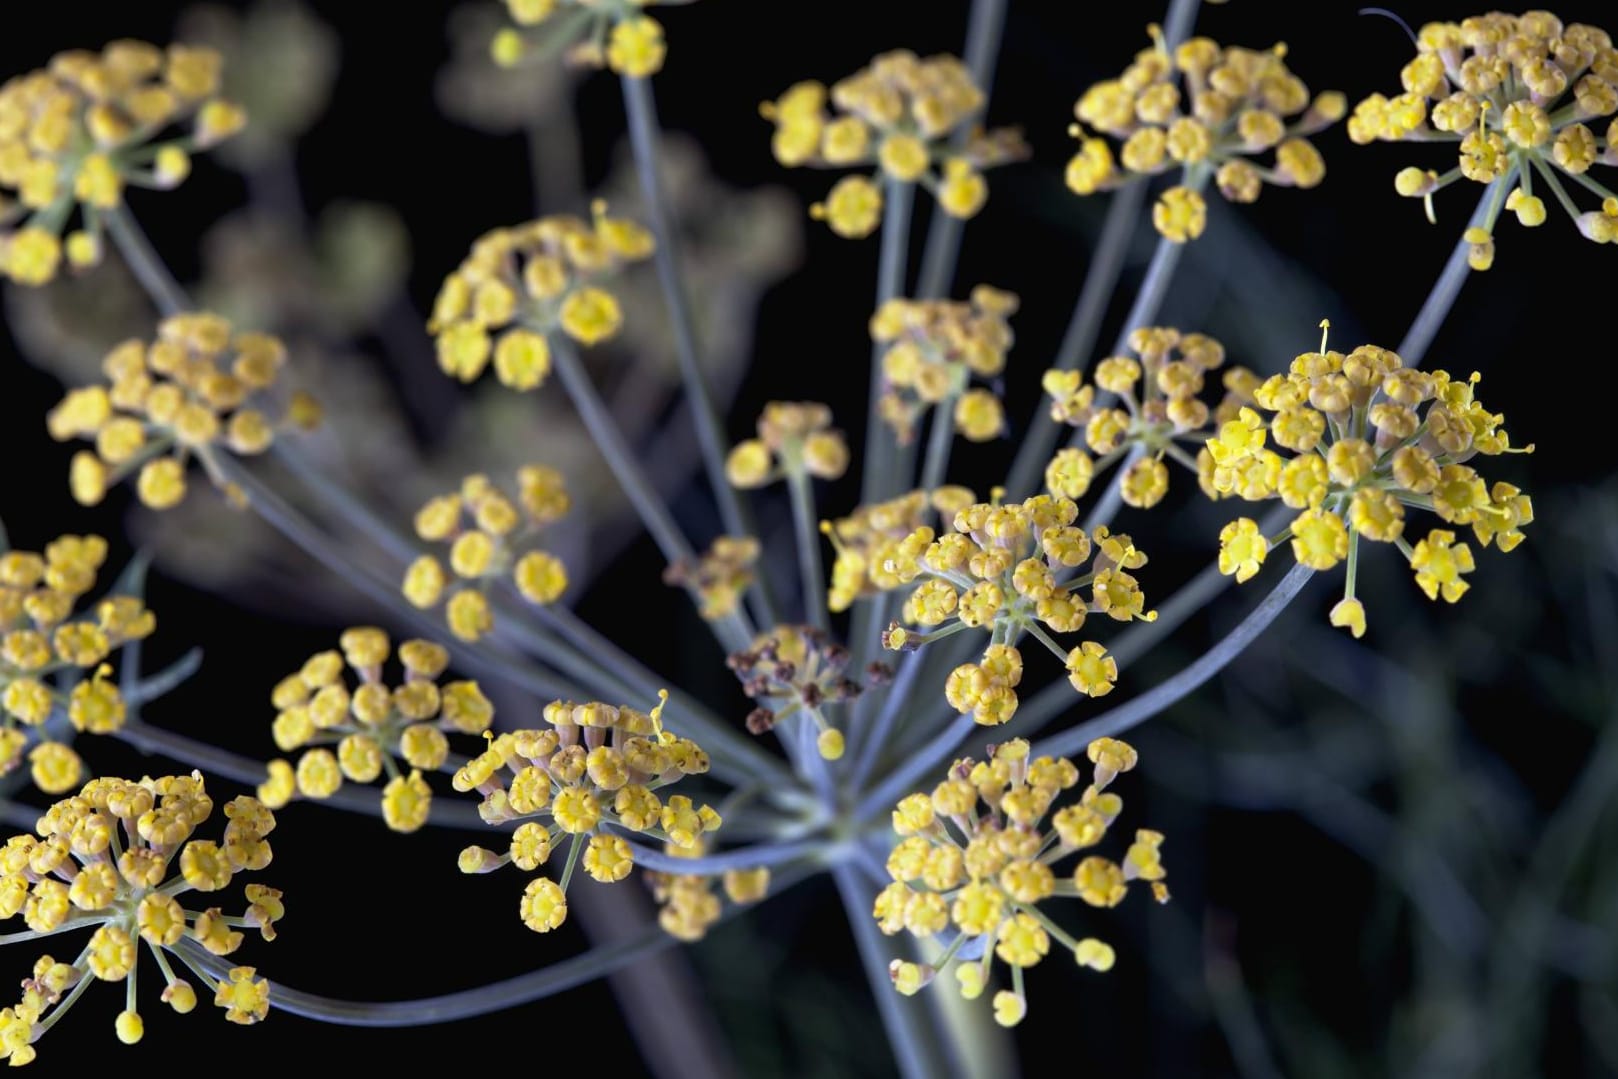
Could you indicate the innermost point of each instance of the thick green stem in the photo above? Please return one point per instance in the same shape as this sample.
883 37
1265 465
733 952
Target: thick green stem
915 1049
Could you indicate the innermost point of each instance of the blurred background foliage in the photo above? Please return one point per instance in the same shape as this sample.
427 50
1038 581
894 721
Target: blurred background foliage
1397 856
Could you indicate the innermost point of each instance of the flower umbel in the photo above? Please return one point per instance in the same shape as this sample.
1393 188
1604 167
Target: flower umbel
591 773
977 860
1161 409
1522 96
796 670
82 129
595 34
372 727
1205 110
1012 570
525 282
1369 438
933 350
102 858
196 390
40 637
897 114
490 535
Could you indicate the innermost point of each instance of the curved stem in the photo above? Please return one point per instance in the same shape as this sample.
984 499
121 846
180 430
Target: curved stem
1435 309
1166 694
764 855
523 989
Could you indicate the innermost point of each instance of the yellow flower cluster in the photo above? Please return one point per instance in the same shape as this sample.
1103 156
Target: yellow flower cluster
868 539
76 132
615 35
1205 110
1161 408
101 858
687 905
196 388
488 532
719 577
794 438
898 114
977 857
1369 438
372 726
934 347
796 670
594 770
1519 95
1010 570
39 637
529 281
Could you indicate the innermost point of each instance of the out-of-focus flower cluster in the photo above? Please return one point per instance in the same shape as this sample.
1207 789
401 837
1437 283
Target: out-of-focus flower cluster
79 130
102 858
489 536
530 281
900 114
687 905
197 388
795 438
593 772
1205 110
934 348
372 726
1368 438
596 34
796 671
1161 408
719 576
976 860
1010 570
40 638
1519 94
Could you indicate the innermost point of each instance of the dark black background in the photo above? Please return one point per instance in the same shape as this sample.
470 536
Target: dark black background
373 915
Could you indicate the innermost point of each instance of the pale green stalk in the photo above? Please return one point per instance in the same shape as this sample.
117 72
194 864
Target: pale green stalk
598 420
144 262
915 1048
984 28
468 1003
880 450
807 530
641 108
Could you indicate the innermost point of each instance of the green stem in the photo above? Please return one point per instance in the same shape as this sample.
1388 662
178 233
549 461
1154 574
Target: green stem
984 28
799 486
468 1003
940 438
915 1049
890 282
145 263
620 458
641 108
1106 266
